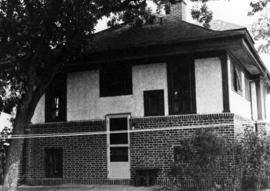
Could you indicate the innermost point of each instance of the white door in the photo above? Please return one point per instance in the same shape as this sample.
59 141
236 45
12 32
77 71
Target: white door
118 146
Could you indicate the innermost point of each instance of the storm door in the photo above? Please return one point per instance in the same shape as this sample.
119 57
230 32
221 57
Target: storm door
181 85
118 146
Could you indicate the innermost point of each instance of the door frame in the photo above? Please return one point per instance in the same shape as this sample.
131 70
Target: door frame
108 117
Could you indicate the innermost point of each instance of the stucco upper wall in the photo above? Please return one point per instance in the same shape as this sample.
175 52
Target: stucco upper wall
149 77
39 114
84 102
267 104
208 79
82 91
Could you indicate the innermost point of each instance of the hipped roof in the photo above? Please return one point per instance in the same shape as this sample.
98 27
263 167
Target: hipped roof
170 30
166 30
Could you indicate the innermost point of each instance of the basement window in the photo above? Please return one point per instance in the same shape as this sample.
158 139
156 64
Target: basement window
153 102
115 80
236 79
54 162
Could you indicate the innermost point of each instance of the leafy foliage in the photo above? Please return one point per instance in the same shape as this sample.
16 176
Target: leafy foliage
255 157
200 161
261 31
38 37
258 5
206 156
202 14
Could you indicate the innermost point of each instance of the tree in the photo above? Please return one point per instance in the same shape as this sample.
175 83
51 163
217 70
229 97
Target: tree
258 5
261 28
39 37
261 31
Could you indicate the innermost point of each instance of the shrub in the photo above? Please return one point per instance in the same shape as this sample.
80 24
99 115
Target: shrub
255 156
198 161
206 158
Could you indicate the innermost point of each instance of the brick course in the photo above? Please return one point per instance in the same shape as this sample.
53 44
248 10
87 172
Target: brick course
154 149
85 157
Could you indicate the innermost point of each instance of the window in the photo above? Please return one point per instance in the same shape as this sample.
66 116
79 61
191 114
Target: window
153 102
181 85
56 100
115 80
247 89
118 141
236 79
54 162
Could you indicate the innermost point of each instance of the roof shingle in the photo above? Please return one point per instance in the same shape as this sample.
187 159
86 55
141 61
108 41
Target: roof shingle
167 30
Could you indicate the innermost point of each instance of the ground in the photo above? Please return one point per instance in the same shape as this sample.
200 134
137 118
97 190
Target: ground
72 187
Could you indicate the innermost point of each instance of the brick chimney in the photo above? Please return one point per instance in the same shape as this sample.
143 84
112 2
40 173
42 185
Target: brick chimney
176 8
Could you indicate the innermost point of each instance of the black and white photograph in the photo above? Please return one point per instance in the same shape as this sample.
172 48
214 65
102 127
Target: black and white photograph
134 95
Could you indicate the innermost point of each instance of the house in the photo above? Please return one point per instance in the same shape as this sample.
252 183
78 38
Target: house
137 93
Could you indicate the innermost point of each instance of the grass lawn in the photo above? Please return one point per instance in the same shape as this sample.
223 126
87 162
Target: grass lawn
72 187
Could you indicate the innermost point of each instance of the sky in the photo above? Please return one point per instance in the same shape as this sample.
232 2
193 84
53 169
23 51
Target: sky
4 121
234 11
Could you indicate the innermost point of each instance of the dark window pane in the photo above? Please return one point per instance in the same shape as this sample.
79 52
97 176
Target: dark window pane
236 79
115 80
54 163
119 154
119 138
117 124
153 103
181 85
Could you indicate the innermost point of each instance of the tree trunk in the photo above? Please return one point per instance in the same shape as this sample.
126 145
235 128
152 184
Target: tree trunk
12 168
14 156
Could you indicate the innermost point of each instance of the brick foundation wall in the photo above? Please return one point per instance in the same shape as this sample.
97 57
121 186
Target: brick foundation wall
85 157
154 149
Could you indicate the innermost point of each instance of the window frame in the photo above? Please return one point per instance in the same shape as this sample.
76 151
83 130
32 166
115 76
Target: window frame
119 84
236 79
117 145
56 90
161 110
59 154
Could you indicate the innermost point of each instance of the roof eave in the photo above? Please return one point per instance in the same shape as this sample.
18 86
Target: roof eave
248 41
219 43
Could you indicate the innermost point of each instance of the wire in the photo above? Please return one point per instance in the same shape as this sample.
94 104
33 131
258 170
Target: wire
132 130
